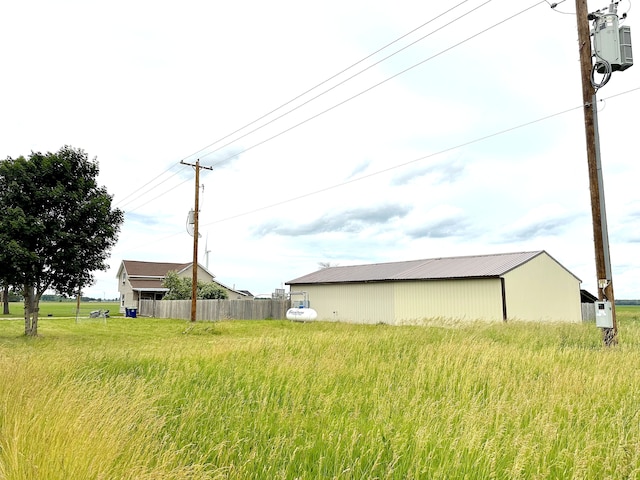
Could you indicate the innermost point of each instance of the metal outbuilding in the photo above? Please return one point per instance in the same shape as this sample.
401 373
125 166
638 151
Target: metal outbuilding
529 286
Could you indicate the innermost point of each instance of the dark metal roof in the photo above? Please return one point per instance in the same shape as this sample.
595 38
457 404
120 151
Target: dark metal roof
587 297
476 266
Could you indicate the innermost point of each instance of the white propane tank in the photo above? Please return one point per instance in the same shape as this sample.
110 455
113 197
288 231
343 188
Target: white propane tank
301 314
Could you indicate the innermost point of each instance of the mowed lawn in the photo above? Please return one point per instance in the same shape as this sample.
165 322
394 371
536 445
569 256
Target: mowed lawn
166 399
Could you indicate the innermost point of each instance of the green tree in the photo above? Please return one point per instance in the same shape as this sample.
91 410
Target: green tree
210 291
57 228
180 288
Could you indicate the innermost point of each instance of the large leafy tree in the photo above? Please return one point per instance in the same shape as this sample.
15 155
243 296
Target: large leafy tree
57 227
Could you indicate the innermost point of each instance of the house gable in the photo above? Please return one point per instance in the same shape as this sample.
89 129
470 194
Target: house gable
138 279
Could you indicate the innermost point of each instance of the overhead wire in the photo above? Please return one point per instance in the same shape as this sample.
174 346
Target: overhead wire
394 167
336 75
440 152
141 194
370 88
341 82
313 117
158 196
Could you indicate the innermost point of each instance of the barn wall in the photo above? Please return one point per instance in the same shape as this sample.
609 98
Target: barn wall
542 290
473 299
351 302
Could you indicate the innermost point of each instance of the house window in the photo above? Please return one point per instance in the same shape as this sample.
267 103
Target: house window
124 277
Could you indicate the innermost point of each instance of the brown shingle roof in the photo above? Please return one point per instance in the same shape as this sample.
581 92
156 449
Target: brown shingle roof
135 268
154 284
476 266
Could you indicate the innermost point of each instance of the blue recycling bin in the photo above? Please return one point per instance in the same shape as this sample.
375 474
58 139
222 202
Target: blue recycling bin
133 312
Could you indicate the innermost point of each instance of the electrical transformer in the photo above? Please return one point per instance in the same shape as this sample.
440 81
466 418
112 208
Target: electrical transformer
612 44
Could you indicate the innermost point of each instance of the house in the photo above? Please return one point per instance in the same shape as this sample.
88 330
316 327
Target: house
143 281
513 286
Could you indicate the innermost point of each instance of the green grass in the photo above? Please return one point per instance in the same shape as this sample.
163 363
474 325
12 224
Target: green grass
148 398
64 309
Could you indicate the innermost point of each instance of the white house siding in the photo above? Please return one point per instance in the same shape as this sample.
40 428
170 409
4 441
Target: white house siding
352 302
469 299
203 275
128 299
542 290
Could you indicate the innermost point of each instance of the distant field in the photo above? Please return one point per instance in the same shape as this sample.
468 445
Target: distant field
64 309
166 399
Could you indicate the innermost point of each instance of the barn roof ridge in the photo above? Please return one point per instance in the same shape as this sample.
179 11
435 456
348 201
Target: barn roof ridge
468 266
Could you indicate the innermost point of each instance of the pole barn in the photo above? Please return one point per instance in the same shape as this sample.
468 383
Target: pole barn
528 286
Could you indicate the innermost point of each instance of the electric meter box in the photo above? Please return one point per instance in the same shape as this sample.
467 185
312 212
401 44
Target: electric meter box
604 315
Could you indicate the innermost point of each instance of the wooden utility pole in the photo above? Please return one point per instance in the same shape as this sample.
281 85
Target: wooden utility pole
598 211
194 274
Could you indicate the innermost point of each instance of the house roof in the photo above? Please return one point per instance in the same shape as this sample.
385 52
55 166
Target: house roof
148 276
136 268
148 285
587 297
477 266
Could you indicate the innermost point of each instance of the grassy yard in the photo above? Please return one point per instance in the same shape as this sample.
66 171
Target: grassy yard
63 309
165 399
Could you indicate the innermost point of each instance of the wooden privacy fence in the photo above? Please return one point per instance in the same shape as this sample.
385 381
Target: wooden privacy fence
216 309
588 312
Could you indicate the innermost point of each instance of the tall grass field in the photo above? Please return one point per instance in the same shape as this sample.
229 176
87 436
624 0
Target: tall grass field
165 399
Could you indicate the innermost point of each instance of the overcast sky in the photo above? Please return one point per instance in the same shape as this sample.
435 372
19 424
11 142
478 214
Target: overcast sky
384 166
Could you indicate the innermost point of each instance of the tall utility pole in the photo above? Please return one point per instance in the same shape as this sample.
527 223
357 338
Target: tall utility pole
194 274
598 211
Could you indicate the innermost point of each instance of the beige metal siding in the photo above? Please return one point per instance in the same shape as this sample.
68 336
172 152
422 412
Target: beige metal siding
352 302
541 290
478 299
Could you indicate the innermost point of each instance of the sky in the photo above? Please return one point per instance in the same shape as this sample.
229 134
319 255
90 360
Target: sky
467 141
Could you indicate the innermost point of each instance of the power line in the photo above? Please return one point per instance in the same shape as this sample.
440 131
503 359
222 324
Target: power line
157 196
382 82
339 83
141 194
148 183
324 82
511 17
380 172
